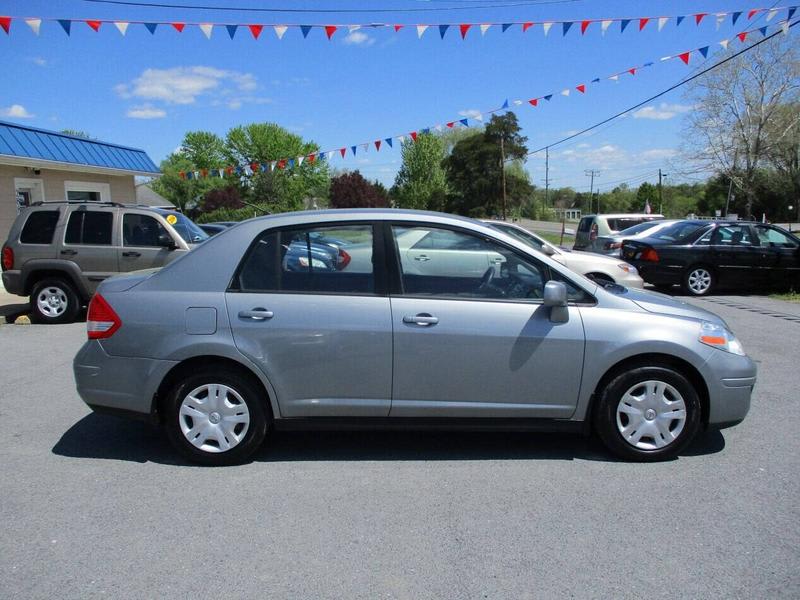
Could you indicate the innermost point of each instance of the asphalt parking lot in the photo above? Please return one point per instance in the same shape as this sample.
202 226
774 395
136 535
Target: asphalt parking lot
92 506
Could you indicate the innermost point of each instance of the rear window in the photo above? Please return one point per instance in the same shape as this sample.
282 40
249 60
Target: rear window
678 231
585 225
620 223
638 228
92 228
40 227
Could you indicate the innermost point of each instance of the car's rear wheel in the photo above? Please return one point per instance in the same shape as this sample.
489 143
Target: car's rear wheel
54 301
648 413
699 280
218 417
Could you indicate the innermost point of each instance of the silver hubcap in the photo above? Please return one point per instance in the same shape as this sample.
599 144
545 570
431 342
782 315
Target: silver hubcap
214 417
51 301
699 281
651 415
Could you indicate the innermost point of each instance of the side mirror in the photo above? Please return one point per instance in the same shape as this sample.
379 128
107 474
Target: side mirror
548 250
555 297
165 241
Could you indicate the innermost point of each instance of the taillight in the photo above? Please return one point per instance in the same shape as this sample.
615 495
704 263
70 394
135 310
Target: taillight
8 258
342 260
649 255
101 320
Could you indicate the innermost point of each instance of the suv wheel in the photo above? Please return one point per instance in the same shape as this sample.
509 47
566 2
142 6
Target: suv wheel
648 414
217 417
54 301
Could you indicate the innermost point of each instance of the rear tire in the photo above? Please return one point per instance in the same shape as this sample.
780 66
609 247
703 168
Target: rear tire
54 301
699 280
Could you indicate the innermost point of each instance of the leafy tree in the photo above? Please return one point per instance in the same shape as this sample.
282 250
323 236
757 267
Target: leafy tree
421 181
182 192
647 194
227 197
77 133
205 150
351 190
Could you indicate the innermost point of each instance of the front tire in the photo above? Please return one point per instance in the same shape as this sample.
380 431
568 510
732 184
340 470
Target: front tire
648 414
218 417
699 280
54 301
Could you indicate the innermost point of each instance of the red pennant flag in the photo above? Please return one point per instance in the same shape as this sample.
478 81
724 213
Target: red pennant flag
413 135
182 174
255 30
342 151
751 13
464 29
699 17
204 172
450 124
632 70
94 24
397 28
282 163
526 26
742 36
5 23
377 145
584 26
581 88
311 158
534 101
229 170
330 30
254 166
178 26
643 22
684 57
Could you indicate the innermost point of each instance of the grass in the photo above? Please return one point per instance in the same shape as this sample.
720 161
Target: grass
555 238
791 296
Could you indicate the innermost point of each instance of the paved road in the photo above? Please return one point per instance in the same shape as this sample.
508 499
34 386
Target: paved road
95 507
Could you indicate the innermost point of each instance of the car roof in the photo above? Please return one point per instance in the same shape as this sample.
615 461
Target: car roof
626 215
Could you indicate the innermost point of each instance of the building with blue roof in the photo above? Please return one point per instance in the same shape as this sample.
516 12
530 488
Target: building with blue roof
39 165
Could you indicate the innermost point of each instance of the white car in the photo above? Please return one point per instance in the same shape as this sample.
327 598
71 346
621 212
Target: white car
602 269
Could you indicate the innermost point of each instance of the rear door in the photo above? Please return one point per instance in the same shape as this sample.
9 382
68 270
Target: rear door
145 242
89 242
781 253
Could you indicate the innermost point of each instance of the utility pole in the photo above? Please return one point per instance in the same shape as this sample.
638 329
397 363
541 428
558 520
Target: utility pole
503 170
547 176
660 194
592 173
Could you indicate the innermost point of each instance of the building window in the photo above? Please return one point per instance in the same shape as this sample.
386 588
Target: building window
75 196
87 191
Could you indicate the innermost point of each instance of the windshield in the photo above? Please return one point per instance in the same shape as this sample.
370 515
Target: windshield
678 231
187 229
522 236
640 228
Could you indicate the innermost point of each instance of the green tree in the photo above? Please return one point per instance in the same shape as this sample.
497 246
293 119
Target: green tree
351 190
205 150
647 194
421 182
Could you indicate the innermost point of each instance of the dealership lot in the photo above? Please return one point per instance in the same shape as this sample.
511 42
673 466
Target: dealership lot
92 506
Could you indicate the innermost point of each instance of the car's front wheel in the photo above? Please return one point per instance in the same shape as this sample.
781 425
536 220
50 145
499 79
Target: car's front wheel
54 301
648 413
218 417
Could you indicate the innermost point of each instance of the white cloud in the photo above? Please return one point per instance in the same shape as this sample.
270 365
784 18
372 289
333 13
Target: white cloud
16 111
659 154
358 38
183 85
470 113
39 61
146 111
661 113
236 102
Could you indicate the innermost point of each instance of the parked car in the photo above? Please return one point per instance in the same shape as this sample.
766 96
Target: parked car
601 269
228 344
592 227
611 245
701 256
212 228
58 252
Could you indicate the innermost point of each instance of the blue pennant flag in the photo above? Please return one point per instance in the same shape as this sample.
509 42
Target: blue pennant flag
66 24
505 104
623 24
679 20
567 25
464 122
263 167
596 80
231 30
649 64
425 130
506 26
389 141
189 175
763 30
305 29
238 170
443 29
322 156
790 14
735 17
291 163
548 97
704 51
353 148
214 173
151 27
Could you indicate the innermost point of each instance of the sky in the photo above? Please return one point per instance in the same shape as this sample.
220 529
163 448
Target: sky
147 90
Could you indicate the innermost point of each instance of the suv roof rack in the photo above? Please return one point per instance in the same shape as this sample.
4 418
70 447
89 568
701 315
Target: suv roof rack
93 202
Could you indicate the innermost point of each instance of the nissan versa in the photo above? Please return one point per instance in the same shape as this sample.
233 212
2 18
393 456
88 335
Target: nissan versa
467 328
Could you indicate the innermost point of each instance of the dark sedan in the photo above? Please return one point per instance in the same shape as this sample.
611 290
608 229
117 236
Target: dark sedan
701 256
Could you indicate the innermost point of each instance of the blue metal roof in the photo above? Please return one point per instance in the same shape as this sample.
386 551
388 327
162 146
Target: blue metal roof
40 144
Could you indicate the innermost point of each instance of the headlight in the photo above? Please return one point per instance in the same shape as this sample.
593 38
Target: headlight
718 336
627 268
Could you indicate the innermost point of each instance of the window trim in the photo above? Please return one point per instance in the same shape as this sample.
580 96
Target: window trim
158 219
55 228
84 210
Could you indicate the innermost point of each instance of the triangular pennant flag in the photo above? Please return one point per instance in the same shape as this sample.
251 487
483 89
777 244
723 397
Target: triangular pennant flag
479 116
255 30
450 124
643 23
330 155
389 141
614 78
791 12
280 30
66 25
94 24
704 51
305 29
178 26
122 26
398 28
699 17
742 36
464 122
342 151
425 130
207 28
151 27
663 58
364 147
505 26
533 101
753 13
735 17
204 172
264 167
442 30
464 28
311 158
505 104
548 97
661 22
517 102
330 30
352 28
763 30
413 135
785 28
300 160
401 138
378 145
581 88
604 25
585 26
421 29
35 25
485 28
439 127
771 14
189 175
565 92
679 20
721 19
282 163
231 30
623 24
182 174
724 44
596 80
272 165
546 28
526 26
5 23
632 70
566 27
684 57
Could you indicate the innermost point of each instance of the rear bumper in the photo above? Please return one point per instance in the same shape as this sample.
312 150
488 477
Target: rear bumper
656 274
12 282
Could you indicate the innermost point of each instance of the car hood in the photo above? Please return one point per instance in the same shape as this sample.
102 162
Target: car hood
124 282
655 302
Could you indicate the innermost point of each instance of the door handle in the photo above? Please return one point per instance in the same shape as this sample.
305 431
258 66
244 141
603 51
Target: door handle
422 258
257 314
131 254
423 319
69 252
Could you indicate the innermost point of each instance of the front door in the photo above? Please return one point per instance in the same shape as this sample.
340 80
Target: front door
482 345
737 256
142 243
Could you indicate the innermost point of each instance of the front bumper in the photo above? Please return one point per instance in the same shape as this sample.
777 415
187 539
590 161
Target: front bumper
730 384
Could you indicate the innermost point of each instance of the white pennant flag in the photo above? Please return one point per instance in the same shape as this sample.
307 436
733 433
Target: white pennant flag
663 58
300 160
280 30
661 22
401 138
364 147
518 102
352 28
724 44
206 28
785 27
614 78
721 19
565 92
771 14
439 127
272 165
607 23
34 24
122 26
421 29
485 28
546 27
478 117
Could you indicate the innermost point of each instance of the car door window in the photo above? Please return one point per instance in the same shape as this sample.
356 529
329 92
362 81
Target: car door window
40 227
732 235
310 260
88 227
773 238
143 231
